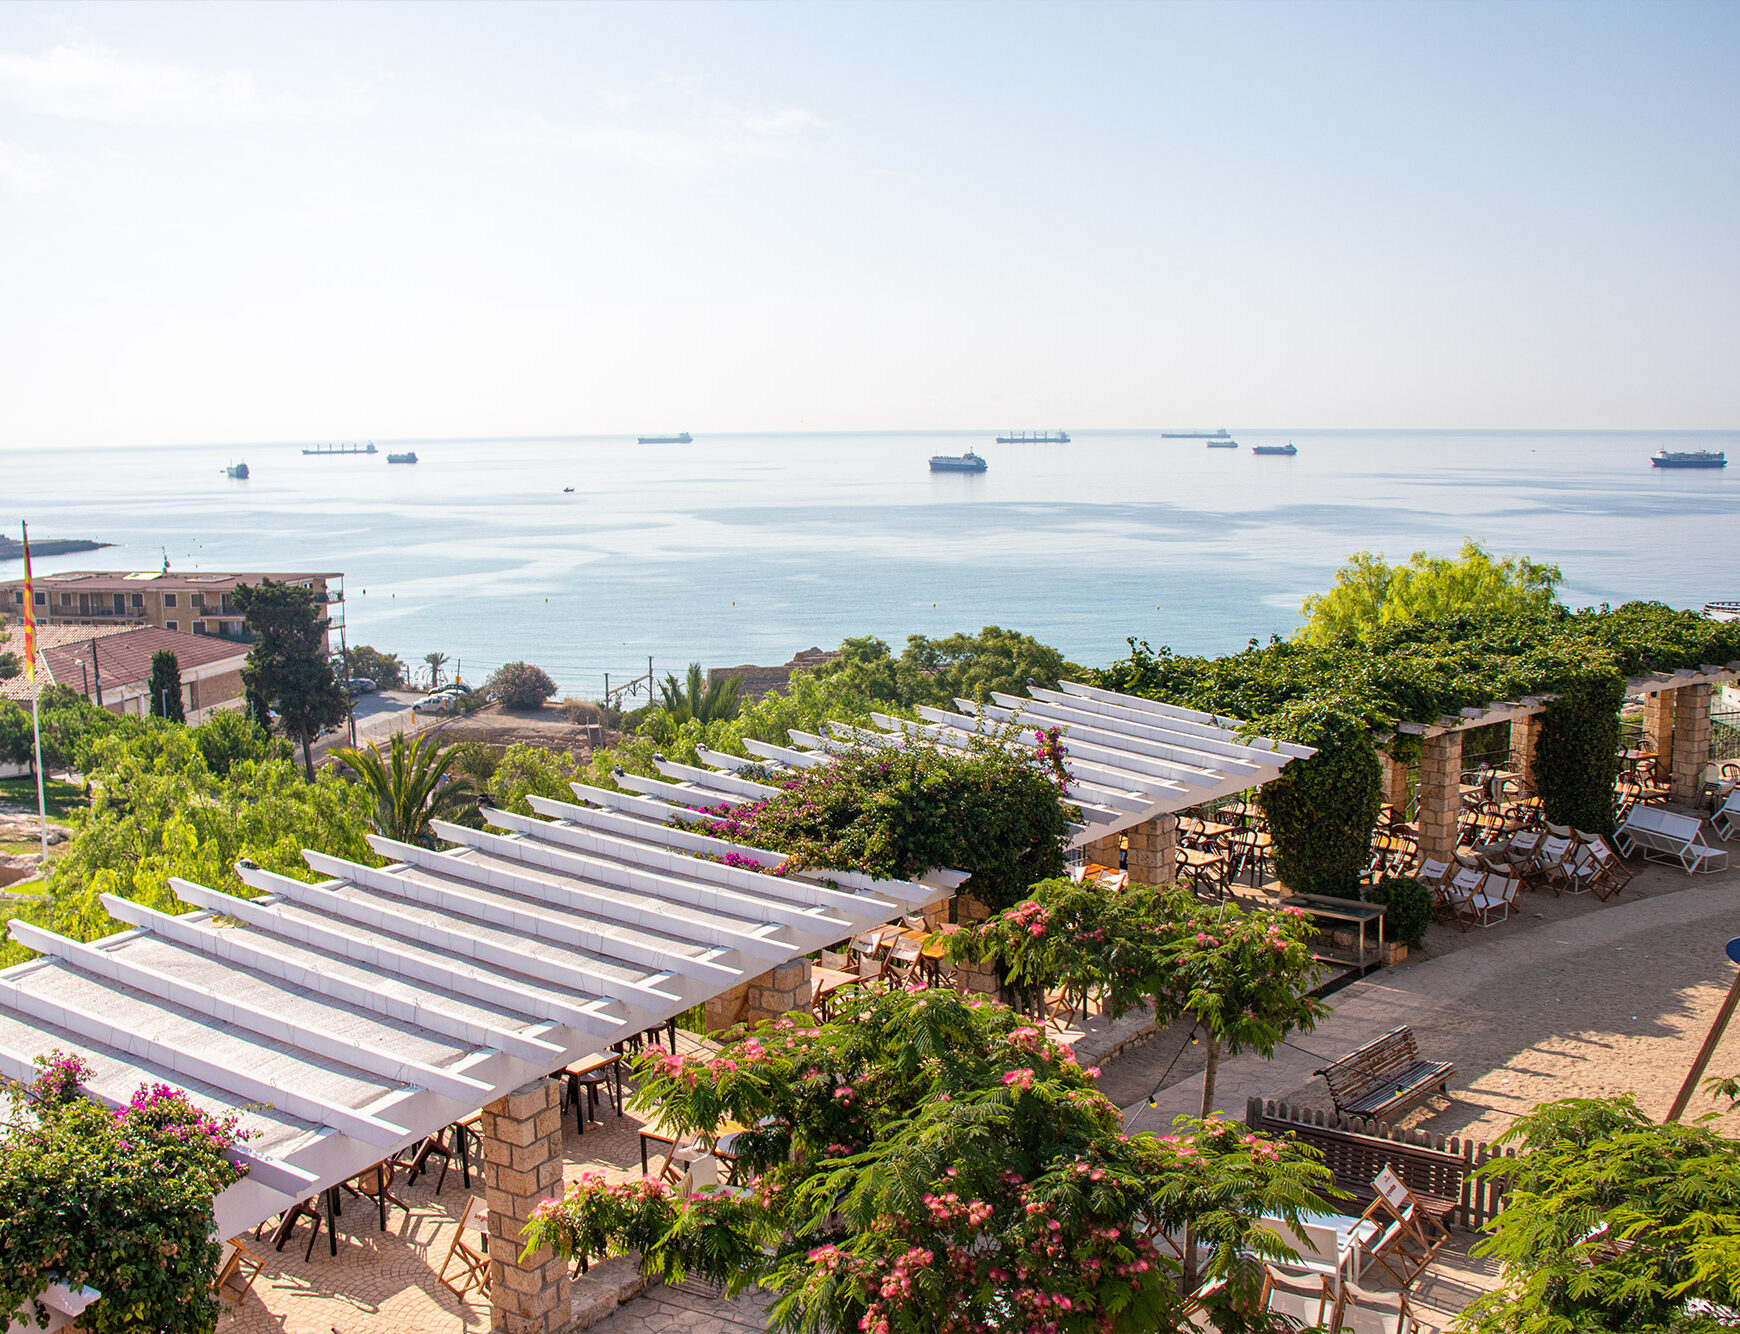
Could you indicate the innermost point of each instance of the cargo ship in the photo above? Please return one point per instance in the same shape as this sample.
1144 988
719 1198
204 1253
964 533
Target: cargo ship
683 439
1194 435
968 462
1223 444
343 449
1033 438
1286 449
237 470
1692 458
409 456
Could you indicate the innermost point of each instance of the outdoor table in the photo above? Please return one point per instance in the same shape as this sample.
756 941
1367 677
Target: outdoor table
825 982
654 1132
1210 829
934 952
1344 910
1351 1234
604 1060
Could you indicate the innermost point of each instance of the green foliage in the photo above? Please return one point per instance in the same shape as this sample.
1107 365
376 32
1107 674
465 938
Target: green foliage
715 702
933 1164
1408 908
1370 593
519 685
225 739
384 669
69 722
10 666
1321 810
120 1201
409 787
476 761
939 671
1577 752
437 664
159 810
901 808
809 704
1613 1223
526 771
164 695
16 743
287 669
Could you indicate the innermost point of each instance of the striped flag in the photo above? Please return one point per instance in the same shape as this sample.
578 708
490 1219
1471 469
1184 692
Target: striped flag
29 615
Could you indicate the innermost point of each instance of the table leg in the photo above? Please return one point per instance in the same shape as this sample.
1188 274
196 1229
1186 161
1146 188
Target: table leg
381 1187
619 1088
643 1162
331 1215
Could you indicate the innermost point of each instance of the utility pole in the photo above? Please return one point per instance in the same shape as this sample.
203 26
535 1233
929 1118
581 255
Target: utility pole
1714 1037
86 671
97 667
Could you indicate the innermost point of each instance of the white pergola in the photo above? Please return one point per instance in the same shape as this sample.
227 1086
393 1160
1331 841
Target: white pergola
348 1019
1129 759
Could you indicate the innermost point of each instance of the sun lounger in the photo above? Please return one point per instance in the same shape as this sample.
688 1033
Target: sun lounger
1667 836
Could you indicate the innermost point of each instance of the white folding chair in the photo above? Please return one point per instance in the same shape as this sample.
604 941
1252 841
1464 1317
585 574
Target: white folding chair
1362 1312
1305 1297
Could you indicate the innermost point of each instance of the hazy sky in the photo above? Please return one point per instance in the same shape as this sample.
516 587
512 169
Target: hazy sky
262 222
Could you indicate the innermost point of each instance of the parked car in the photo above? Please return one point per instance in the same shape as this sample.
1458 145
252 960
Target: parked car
361 685
439 702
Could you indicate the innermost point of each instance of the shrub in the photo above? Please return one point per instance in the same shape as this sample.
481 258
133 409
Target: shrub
519 685
1408 908
477 762
384 669
526 770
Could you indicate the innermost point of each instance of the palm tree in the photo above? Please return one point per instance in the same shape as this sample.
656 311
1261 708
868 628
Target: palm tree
410 786
434 662
705 704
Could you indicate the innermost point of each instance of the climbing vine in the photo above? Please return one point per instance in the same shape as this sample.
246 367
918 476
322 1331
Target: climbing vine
1321 811
1577 753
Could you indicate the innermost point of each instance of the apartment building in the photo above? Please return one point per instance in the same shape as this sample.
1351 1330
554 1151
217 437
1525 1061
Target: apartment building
198 602
111 666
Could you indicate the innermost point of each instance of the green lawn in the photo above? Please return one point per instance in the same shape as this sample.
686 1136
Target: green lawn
19 794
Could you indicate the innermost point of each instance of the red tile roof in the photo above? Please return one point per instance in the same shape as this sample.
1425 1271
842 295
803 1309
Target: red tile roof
123 654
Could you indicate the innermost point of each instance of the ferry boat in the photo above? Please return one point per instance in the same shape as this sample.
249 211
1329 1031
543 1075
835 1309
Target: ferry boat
237 470
409 456
1286 449
343 449
1223 444
1195 435
1033 438
684 439
968 462
1692 458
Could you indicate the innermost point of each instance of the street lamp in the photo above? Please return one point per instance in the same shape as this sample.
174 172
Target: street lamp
87 675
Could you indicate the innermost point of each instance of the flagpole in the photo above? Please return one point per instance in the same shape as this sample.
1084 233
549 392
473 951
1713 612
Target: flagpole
35 716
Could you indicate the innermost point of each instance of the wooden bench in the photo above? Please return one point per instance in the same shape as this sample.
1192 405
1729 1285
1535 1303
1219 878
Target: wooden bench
1435 1178
1384 1076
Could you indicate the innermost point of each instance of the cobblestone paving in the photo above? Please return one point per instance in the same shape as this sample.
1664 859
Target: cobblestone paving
692 1308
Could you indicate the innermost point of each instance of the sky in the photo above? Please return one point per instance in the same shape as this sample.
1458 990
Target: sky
253 222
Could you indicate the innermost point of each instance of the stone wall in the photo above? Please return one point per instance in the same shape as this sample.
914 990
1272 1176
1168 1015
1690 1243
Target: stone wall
768 996
1524 733
1691 743
1440 794
522 1165
1153 851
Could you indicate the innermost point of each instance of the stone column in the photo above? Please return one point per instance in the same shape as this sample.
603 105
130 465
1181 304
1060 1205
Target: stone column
1102 851
522 1164
1154 851
1658 730
1691 743
779 992
1396 781
726 1008
1440 795
1524 732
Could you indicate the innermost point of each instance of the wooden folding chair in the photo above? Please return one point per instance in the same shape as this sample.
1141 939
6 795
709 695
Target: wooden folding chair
867 947
376 1184
902 964
1459 895
1304 1297
1362 1312
1552 863
473 1265
236 1275
1410 1238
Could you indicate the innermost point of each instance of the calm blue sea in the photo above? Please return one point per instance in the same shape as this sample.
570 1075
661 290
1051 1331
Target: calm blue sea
745 548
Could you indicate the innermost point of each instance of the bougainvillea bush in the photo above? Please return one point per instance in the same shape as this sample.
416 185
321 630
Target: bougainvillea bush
933 1164
117 1199
898 809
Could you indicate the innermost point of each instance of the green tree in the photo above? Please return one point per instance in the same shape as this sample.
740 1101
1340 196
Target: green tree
519 685
165 687
930 1163
384 669
409 786
226 739
435 662
704 702
16 742
1370 593
287 668
1613 1223
939 671
526 771
10 666
69 722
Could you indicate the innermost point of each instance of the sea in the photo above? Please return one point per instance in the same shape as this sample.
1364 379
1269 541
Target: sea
592 555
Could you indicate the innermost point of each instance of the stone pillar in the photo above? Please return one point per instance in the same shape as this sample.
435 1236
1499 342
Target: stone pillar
1524 732
1396 782
1691 743
1658 730
522 1164
1102 851
779 992
1440 794
1154 851
727 1007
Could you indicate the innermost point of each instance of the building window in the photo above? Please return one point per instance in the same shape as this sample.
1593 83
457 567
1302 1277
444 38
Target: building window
169 601
199 627
138 601
17 596
42 599
172 625
66 599
120 604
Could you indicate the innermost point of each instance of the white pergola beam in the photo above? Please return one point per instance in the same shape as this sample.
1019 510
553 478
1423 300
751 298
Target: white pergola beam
714 781
679 793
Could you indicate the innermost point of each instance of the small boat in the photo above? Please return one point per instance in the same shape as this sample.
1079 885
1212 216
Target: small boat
1691 458
1033 438
1286 449
1223 444
567 490
237 470
1195 435
409 456
683 439
968 462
